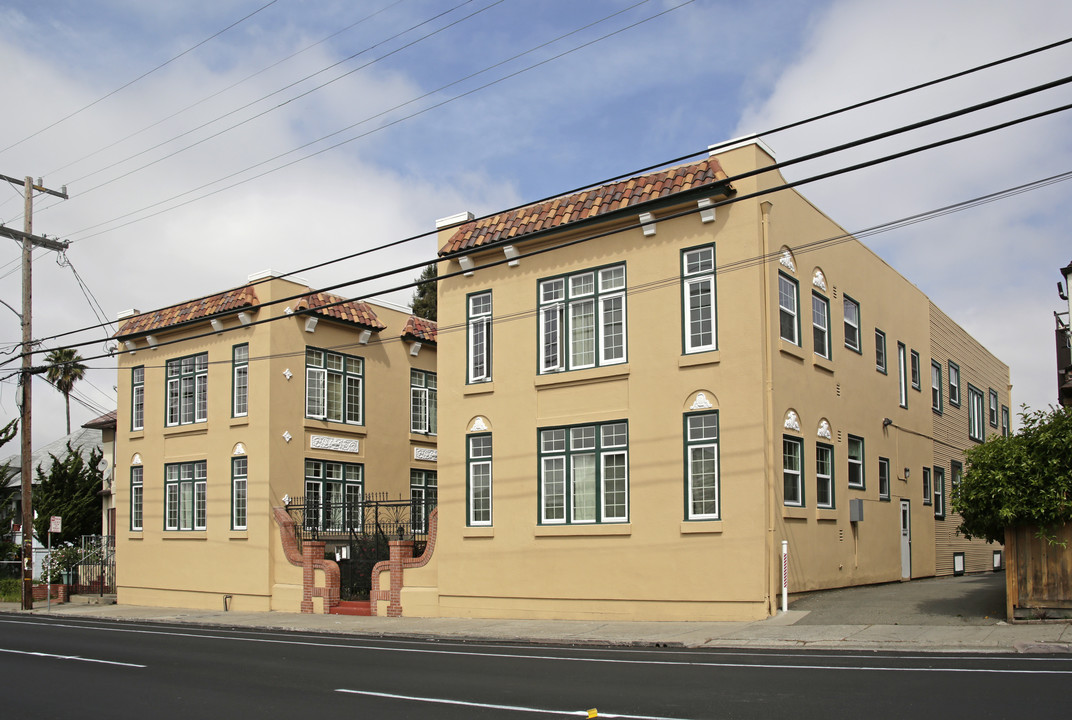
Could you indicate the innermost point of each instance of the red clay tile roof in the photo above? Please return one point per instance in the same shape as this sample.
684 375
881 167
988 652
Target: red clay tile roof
421 329
107 420
586 204
229 301
351 311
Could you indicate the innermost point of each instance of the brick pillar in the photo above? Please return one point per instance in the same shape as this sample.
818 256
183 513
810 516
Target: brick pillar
401 550
312 555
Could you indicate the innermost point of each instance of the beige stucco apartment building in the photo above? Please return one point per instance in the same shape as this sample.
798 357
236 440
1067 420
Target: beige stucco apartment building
645 391
241 402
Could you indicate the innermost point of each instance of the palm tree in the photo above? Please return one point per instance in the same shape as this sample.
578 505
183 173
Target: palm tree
65 368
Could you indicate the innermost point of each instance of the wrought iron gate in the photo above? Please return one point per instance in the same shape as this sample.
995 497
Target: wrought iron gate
95 572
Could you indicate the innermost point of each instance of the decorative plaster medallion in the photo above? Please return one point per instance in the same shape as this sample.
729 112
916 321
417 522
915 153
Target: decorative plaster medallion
824 429
288 374
819 280
787 260
326 442
792 422
429 454
136 460
478 425
287 310
287 436
239 449
701 402
286 499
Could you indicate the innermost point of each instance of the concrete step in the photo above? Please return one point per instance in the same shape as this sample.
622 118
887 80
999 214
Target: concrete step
353 607
106 599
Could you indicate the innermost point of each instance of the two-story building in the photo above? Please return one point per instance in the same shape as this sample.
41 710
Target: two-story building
662 379
260 397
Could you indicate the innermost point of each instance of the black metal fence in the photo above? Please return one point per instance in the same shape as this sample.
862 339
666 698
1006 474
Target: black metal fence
95 572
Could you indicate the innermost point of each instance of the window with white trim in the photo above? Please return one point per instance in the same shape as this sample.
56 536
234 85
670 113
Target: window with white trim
698 299
240 380
1004 421
333 495
238 493
927 486
915 370
788 322
478 309
793 471
824 475
936 387
939 492
883 478
479 479
902 373
423 402
185 496
582 320
880 351
701 458
976 417
187 390
954 384
820 325
993 408
423 496
856 462
852 324
584 473
334 386
137 398
137 496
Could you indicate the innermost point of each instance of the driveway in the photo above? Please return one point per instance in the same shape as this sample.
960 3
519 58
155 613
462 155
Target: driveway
977 599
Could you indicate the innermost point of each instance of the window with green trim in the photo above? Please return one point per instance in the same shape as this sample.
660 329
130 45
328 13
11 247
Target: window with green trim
927 486
479 478
883 478
584 473
939 493
423 496
902 374
976 414
856 462
788 320
880 351
993 407
185 496
698 299
187 390
820 325
423 396
936 386
792 471
1004 421
238 493
137 398
137 496
956 474
333 495
824 475
334 386
852 324
954 384
915 370
582 320
701 466
240 380
478 308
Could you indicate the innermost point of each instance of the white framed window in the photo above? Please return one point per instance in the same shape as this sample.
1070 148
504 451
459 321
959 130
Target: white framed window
701 453
334 386
883 478
479 337
856 462
993 407
1004 421
238 493
185 496
698 299
824 475
334 492
187 390
939 492
240 380
793 471
852 324
788 322
880 351
423 496
936 387
820 324
137 496
137 398
902 373
954 384
582 320
976 416
584 473
423 402
915 370
479 476
927 496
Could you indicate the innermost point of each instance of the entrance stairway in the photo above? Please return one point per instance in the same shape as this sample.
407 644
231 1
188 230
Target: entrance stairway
352 607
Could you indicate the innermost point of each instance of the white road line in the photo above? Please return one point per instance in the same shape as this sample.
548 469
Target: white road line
70 657
566 658
491 706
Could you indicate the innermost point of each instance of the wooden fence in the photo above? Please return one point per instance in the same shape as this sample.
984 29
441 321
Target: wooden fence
1038 574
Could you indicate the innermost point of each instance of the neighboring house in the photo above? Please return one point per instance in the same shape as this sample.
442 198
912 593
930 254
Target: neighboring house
644 405
223 416
106 424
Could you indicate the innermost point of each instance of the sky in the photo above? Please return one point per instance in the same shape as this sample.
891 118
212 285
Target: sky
202 141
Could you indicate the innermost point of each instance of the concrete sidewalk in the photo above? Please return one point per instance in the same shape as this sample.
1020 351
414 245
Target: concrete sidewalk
936 615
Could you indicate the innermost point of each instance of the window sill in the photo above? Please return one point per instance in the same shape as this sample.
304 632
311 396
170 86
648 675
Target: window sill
859 488
423 438
707 357
184 535
582 377
238 535
478 531
788 348
136 434
136 536
826 514
794 512
479 388
335 426
180 430
579 530
821 363
240 421
697 527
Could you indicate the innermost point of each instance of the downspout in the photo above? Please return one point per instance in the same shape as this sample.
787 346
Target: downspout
768 408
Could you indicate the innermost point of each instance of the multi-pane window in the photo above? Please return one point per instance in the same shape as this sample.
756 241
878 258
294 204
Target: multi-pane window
915 370
852 324
137 398
856 462
954 384
422 402
824 475
1004 421
582 320
788 324
883 478
185 496
939 492
976 417
880 351
936 386
993 408
240 380
820 325
333 495
698 299
584 473
480 479
793 471
926 486
479 347
238 493
956 474
423 496
334 386
902 373
187 390
136 498
701 453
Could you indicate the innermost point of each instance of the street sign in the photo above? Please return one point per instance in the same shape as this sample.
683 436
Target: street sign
55 524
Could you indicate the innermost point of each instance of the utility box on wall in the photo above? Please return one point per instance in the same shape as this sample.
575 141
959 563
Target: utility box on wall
856 510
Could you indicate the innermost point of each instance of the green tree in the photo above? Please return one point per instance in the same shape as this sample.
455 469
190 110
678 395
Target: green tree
8 549
1024 479
65 368
424 297
70 491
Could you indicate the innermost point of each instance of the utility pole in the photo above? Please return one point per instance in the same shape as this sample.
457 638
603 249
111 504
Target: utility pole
29 242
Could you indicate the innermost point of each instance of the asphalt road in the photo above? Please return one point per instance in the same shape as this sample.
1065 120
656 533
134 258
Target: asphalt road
63 668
